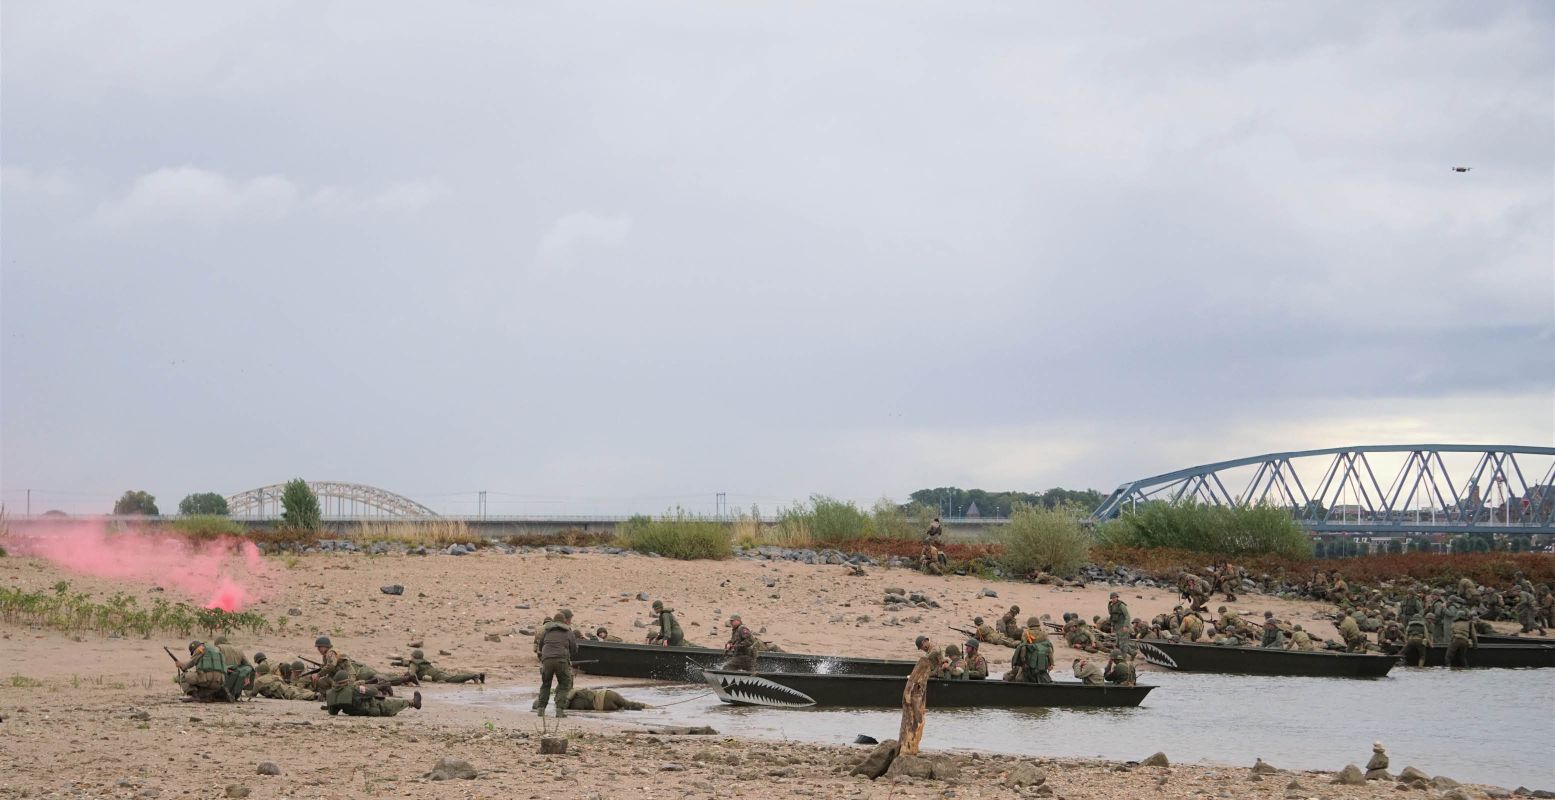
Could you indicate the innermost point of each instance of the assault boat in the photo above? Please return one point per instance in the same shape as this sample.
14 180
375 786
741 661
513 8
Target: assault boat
622 660
1194 657
1502 638
1498 655
798 690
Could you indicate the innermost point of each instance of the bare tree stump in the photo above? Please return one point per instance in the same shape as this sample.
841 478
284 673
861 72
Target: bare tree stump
913 699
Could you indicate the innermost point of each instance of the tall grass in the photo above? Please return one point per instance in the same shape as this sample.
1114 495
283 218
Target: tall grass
1254 530
417 533
1049 540
825 520
677 534
205 527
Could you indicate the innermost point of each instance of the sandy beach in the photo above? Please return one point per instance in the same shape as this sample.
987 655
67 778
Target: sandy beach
94 716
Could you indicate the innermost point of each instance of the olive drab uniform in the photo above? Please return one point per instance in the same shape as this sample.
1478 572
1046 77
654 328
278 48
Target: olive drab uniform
268 683
1009 627
1526 609
1120 671
1118 616
558 647
601 700
987 635
669 629
1192 627
424 671
240 672
742 652
1463 638
1273 637
1354 640
351 697
204 675
1299 640
1415 642
1034 657
976 666
1088 673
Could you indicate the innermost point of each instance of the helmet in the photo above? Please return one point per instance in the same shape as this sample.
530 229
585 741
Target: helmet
259 658
971 644
417 654
1116 654
600 632
322 641
1033 622
658 604
977 620
952 650
734 620
298 668
342 675
193 645
565 614
1014 609
264 668
918 642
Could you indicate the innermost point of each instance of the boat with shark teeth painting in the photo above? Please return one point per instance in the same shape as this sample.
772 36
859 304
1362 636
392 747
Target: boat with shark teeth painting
623 660
802 690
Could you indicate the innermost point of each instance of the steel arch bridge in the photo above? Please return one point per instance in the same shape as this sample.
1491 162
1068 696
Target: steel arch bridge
336 499
1436 488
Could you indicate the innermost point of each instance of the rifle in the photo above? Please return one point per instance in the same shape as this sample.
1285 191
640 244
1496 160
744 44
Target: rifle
175 658
309 661
964 631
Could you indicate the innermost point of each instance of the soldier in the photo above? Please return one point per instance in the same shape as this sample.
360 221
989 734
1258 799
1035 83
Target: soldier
1340 593
1415 642
1527 609
602 635
1390 639
1228 584
1193 589
1120 669
357 699
669 632
976 665
1034 656
1192 626
954 667
742 651
424 671
1354 640
986 633
540 631
1273 637
1087 673
601 700
1463 638
930 559
934 531
735 623
1299 640
1082 636
1547 606
1411 606
207 683
1117 614
1009 627
240 671
330 660
269 683
558 647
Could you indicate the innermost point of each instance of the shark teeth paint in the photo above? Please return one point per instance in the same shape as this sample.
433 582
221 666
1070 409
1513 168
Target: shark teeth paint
1155 655
753 690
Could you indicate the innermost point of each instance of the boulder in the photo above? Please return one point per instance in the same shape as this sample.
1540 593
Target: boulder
552 746
1351 775
269 768
448 769
1443 782
1412 775
1156 760
878 761
393 588
236 791
1024 775
1262 768
911 767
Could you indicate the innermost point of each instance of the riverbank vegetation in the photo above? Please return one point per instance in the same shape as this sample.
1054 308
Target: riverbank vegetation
1040 539
119 615
677 534
1199 528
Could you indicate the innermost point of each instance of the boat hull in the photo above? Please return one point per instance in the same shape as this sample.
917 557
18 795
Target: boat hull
1498 656
621 660
1190 657
1498 638
875 691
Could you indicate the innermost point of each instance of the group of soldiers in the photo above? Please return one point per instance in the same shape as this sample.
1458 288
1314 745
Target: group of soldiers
1033 656
221 672
1196 588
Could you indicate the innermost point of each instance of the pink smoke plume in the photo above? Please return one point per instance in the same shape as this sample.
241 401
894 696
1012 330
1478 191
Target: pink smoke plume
217 573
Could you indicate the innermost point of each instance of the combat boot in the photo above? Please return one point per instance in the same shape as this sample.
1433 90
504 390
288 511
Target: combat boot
560 712
415 701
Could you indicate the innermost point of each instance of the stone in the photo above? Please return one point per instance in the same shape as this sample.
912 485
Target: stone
671 766
1497 792
911 767
642 595
946 770
1157 760
1024 774
448 769
864 739
987 592
293 612
550 746
234 790
393 588
140 715
1351 775
269 768
1412 775
878 761
1455 794
1262 768
1044 790
1378 775
894 590
494 637
1443 782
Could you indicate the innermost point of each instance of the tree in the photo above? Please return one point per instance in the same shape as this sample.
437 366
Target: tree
300 506
136 502
203 504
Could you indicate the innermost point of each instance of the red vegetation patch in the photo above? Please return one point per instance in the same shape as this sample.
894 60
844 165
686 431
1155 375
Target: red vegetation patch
1491 569
884 547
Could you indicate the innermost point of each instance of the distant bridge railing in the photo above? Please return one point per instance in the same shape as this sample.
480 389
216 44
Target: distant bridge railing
1486 489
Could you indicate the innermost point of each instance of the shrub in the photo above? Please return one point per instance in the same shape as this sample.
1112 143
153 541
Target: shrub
1252 530
891 522
300 506
205 527
135 501
284 538
1050 540
825 520
679 535
203 503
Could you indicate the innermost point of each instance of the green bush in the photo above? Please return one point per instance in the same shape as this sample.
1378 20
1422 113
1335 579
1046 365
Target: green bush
1050 540
825 521
300 506
206 527
1255 530
678 535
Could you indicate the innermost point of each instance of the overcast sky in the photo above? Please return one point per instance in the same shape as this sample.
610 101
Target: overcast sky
622 256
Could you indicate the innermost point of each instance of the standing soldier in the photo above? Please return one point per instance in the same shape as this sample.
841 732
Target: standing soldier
1118 616
1415 635
558 647
742 651
1527 608
934 531
669 628
1009 627
976 665
540 631
1463 638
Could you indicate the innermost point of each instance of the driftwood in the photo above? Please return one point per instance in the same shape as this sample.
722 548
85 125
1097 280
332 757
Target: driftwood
913 699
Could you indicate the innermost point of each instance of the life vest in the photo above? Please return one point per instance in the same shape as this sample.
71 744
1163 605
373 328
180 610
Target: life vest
210 659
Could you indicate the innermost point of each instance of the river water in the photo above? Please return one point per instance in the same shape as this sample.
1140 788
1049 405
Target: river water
1494 726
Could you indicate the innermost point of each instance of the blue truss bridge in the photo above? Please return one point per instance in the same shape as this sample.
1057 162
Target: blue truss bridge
1373 489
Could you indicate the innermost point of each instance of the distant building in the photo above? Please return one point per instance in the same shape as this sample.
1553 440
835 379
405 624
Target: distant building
972 511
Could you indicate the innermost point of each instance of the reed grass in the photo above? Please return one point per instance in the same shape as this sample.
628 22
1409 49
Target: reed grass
677 534
429 533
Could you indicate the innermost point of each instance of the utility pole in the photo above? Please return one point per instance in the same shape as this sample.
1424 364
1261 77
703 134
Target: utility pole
29 504
482 510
